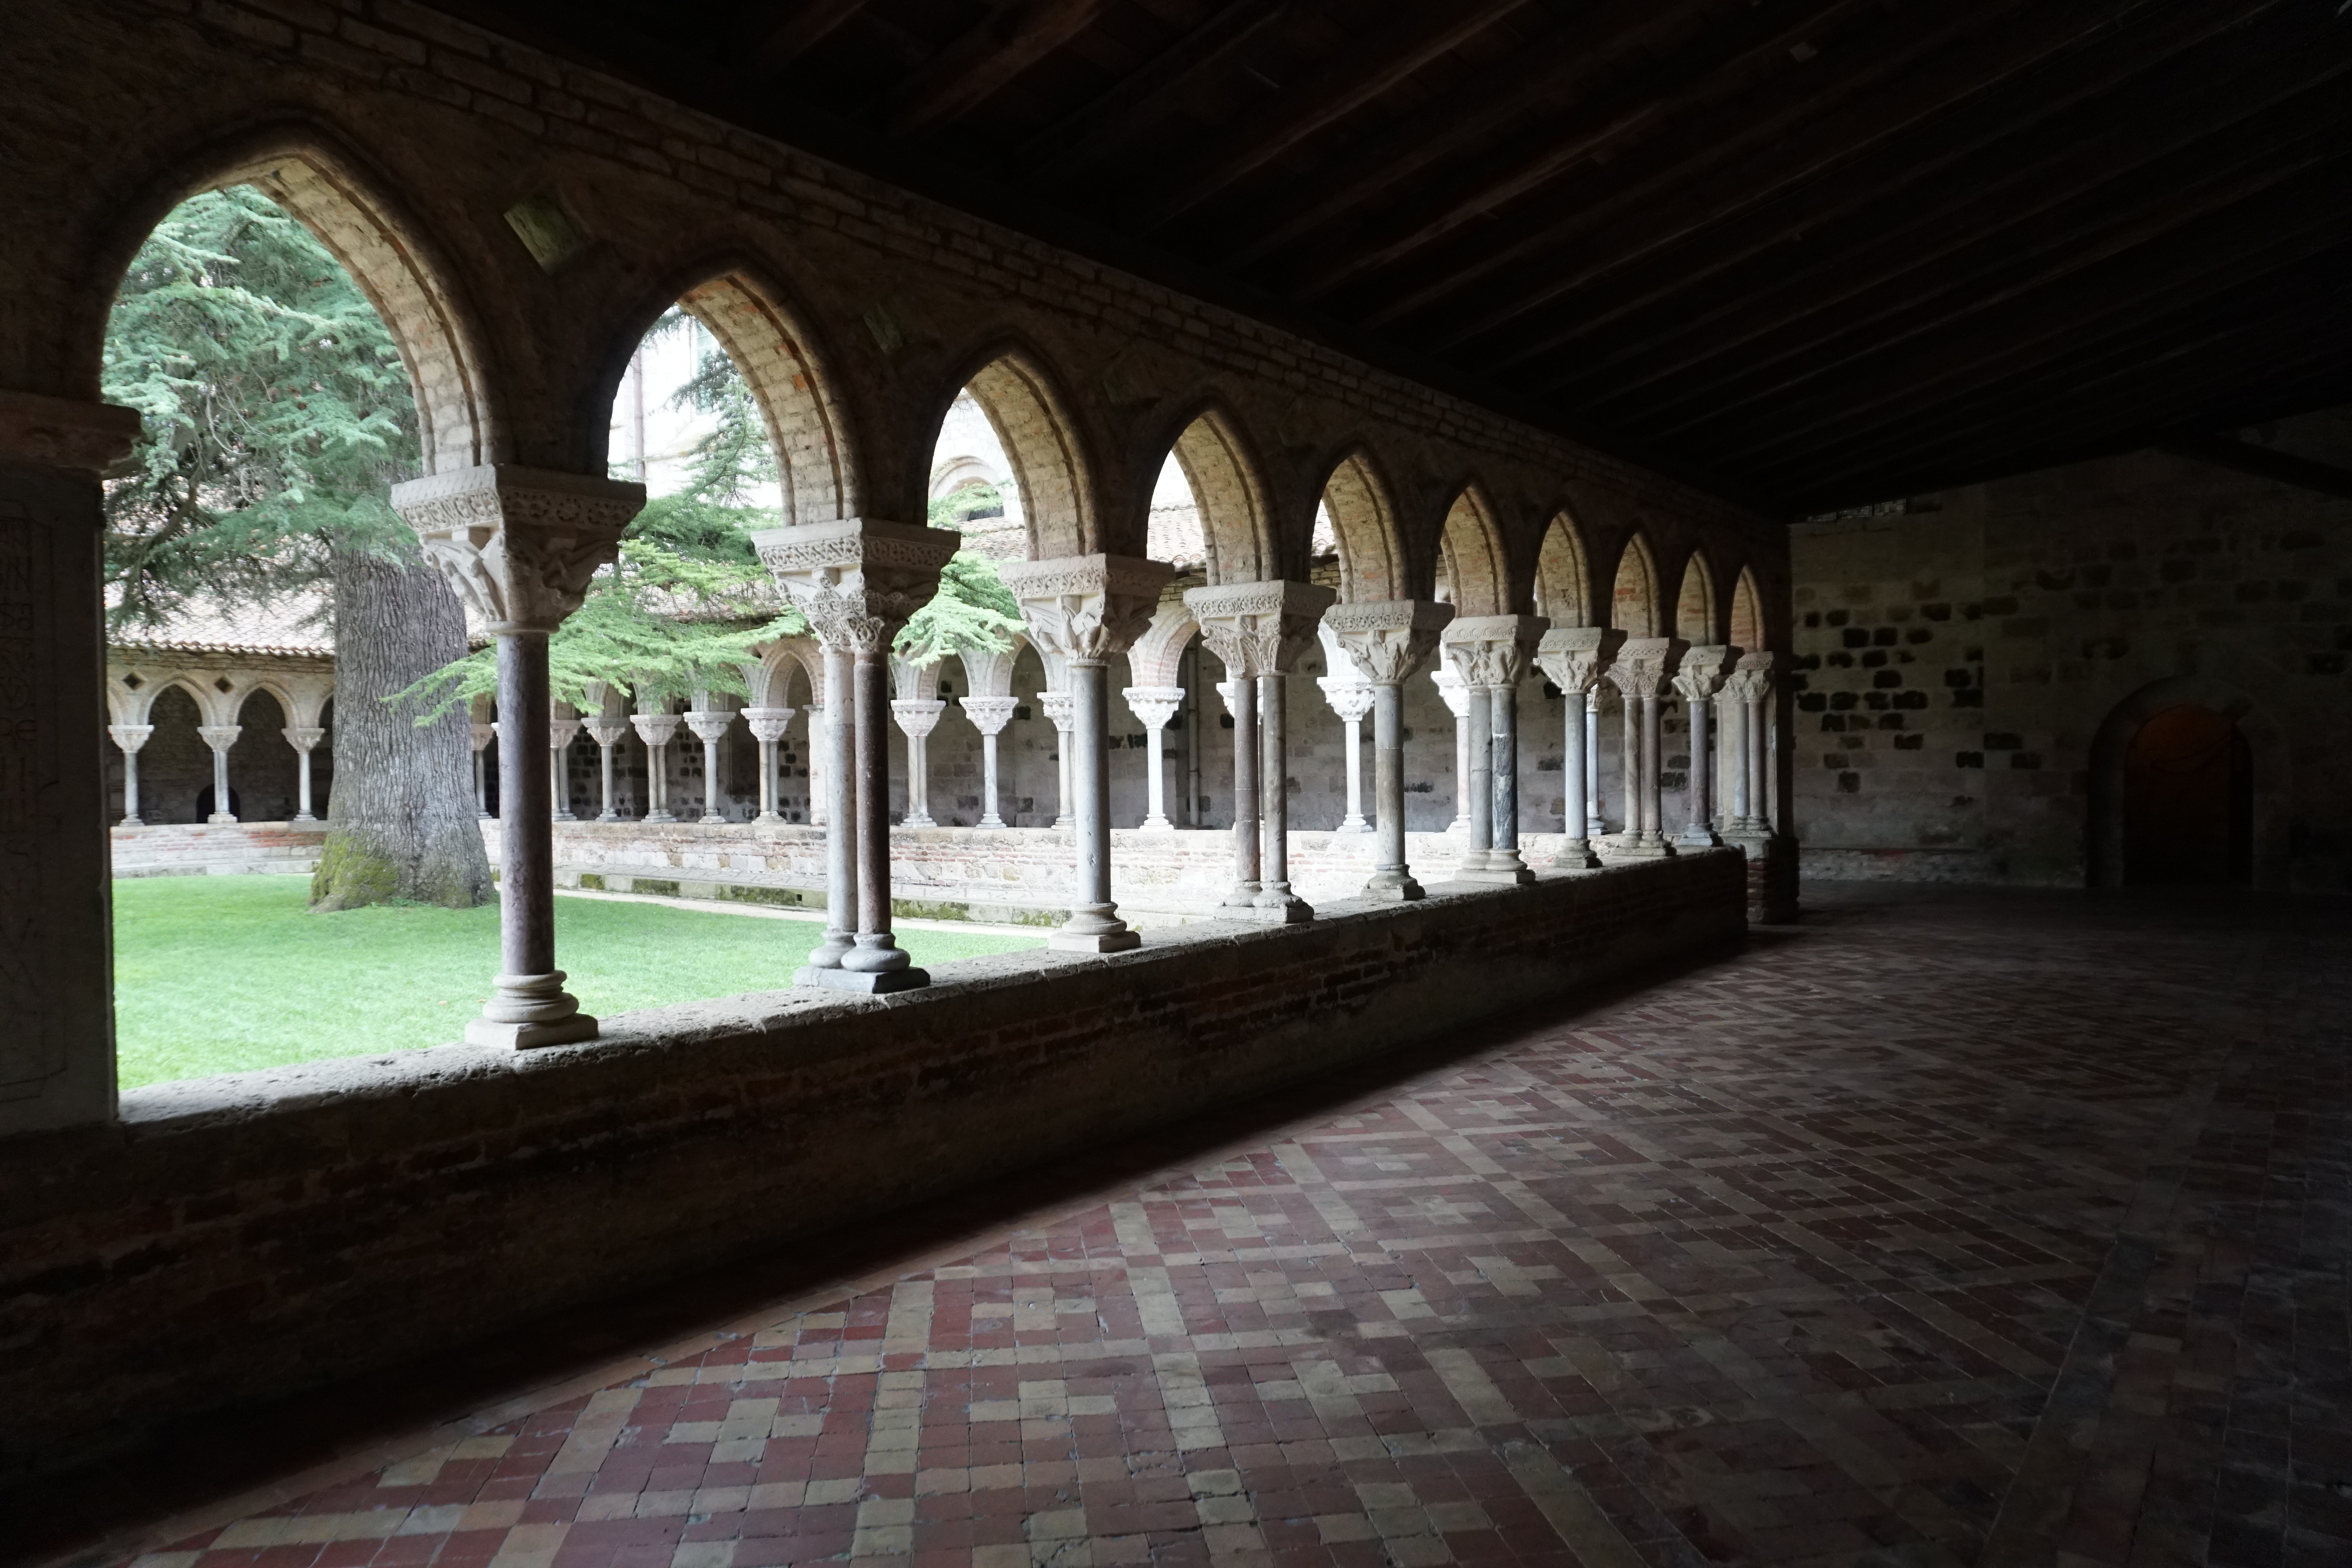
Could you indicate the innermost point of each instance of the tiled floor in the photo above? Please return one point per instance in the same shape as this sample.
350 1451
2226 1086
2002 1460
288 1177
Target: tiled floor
1950 1229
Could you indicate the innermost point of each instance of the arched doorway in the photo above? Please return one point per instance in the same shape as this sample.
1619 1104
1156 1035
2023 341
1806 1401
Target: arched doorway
2188 801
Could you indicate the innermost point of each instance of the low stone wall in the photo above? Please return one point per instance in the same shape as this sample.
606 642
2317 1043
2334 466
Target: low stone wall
243 1236
218 849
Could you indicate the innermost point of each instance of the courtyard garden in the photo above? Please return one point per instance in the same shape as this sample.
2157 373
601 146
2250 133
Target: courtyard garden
223 974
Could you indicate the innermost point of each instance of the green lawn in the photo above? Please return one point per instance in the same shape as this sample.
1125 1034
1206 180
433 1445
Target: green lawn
219 974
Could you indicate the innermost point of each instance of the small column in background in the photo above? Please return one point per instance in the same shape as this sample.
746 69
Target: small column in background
769 726
1746 689
220 737
304 738
1350 696
1261 630
483 731
916 713
1389 640
990 715
657 729
1491 654
1057 706
1456 697
1155 706
1642 668
709 723
820 748
130 737
1696 680
562 729
1575 658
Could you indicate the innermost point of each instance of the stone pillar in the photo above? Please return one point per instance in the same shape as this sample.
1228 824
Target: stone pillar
130 737
1696 680
820 746
1261 630
1389 640
483 735
1350 696
1574 658
858 579
1456 697
710 726
1595 823
562 729
1057 706
1084 609
56 984
1491 654
304 738
769 726
220 737
917 718
519 545
840 720
606 732
1155 706
656 729
1747 688
1642 668
989 715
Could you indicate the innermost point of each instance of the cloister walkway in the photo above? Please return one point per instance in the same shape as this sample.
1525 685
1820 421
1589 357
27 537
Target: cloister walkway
1948 1227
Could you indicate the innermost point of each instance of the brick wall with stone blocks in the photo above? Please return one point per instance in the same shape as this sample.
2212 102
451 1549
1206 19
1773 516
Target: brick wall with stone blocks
1970 667
240 1237
218 849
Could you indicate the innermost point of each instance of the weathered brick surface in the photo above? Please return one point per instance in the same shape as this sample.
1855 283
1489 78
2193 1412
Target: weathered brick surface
217 849
245 1236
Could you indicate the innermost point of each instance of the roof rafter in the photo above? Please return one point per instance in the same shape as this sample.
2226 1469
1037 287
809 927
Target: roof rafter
969 71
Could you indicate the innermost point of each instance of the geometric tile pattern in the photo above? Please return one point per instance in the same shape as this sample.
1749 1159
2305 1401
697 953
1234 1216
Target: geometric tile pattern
1950 1227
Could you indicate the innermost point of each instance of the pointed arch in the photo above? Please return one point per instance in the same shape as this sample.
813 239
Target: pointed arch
1695 604
1158 653
1563 584
778 659
1471 561
1633 598
808 425
1236 527
1364 521
1031 421
1747 613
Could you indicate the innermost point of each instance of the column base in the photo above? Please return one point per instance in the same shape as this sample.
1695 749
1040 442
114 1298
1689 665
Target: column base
1395 887
1156 825
1640 849
924 820
222 819
767 817
710 816
1062 939
485 816
1287 909
1350 827
1577 855
1698 838
1066 821
562 817
863 982
131 822
302 817
657 817
529 1035
1503 869
529 1010
991 821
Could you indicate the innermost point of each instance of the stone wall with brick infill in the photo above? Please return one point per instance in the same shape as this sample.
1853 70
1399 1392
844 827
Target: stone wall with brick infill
221 849
241 1237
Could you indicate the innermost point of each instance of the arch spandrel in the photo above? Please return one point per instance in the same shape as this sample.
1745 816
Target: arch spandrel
1747 614
1473 560
808 421
1362 507
1230 490
1634 601
1032 421
1563 580
1695 619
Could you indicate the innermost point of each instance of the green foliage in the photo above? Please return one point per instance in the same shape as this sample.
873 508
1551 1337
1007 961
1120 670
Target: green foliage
973 611
277 410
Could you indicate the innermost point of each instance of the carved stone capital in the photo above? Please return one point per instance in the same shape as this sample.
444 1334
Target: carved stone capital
130 736
1060 708
1491 652
65 433
1084 608
768 724
1644 664
654 729
562 732
917 717
1451 689
1574 658
602 731
1259 628
1389 639
220 737
303 737
519 545
858 579
1155 706
1350 697
1750 676
483 735
708 724
990 715
1700 674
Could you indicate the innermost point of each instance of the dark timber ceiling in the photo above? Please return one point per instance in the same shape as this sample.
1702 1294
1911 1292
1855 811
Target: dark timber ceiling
1815 253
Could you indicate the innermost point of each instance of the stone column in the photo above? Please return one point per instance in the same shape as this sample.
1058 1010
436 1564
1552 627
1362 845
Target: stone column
1696 680
1643 667
710 726
1155 706
220 737
57 986
1389 640
858 579
1084 609
562 731
989 715
1595 823
1057 706
656 729
1575 658
606 732
519 545
483 735
130 737
1491 655
839 717
917 718
769 726
1261 630
1456 697
820 745
1747 688
304 738
1350 696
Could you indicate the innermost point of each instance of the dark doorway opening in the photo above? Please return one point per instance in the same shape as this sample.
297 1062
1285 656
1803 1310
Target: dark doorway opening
2188 801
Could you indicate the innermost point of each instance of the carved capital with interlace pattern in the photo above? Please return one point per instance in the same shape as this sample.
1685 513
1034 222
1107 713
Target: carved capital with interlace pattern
519 545
1259 628
1574 658
1389 639
858 579
1085 608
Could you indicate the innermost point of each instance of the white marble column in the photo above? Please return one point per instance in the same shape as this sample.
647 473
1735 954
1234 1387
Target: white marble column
1575 658
220 737
820 748
1389 640
1261 630
709 724
769 726
1155 706
483 734
130 737
519 546
304 738
1595 820
606 730
1642 668
1696 680
1350 696
656 729
1491 654
990 715
1085 610
1456 697
562 731
916 718
857 580
1056 706
1747 691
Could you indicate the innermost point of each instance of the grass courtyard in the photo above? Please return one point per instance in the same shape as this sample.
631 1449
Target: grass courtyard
221 974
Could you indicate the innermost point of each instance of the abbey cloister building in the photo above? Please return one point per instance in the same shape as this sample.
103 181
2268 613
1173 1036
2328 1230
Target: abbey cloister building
1629 973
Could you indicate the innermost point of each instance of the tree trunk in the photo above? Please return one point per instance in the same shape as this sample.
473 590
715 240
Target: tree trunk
401 823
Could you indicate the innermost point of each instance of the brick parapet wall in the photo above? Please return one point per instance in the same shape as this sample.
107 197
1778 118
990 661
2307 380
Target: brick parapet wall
239 1237
218 847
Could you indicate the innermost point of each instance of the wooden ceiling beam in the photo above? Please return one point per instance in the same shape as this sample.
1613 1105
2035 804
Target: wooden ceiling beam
2262 461
1145 96
970 70
1359 74
810 25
